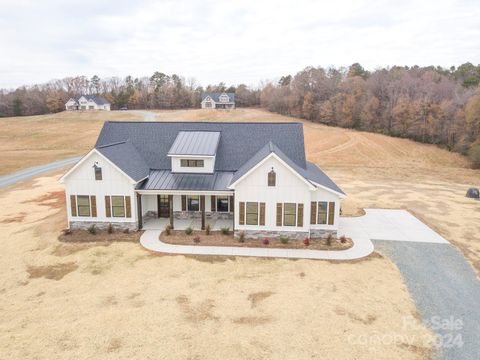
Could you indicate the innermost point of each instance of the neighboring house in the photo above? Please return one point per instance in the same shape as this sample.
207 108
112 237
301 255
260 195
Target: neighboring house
87 102
218 100
252 176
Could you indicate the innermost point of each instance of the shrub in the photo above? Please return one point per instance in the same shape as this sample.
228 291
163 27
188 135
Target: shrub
126 231
241 237
343 239
188 231
225 230
266 241
168 229
196 239
306 241
92 229
110 229
208 229
67 232
329 239
284 239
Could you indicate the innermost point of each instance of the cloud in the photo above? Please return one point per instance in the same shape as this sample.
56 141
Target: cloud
234 42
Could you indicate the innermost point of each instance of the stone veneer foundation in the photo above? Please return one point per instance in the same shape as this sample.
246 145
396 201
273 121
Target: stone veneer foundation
101 225
296 235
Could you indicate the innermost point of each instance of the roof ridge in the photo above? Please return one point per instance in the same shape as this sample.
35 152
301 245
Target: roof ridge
112 144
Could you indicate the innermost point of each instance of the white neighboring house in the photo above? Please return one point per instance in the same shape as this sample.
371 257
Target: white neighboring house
87 102
187 173
211 100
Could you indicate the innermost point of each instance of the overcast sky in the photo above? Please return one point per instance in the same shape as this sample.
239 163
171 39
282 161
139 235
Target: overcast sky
232 41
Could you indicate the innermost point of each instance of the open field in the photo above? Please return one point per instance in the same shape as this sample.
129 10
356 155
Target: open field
34 140
118 298
101 300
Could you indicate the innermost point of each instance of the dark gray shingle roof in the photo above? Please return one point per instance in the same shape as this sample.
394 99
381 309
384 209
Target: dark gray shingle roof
216 96
97 99
126 157
165 180
195 143
238 141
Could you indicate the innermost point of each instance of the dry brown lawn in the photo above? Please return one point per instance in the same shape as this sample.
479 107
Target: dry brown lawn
35 140
118 301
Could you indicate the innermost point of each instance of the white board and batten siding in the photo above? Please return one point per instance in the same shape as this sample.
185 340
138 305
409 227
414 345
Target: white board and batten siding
81 181
289 188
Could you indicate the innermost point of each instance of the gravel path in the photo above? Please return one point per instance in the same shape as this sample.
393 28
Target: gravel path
444 287
28 173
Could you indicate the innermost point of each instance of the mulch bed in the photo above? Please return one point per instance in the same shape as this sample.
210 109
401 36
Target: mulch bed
100 235
216 238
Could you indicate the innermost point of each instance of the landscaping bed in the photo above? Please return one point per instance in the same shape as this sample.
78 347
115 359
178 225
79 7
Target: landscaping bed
217 238
100 235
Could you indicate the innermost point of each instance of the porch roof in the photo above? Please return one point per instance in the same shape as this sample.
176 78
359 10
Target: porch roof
166 180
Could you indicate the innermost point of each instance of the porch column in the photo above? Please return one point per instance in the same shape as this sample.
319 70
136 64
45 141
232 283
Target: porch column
202 209
139 211
170 208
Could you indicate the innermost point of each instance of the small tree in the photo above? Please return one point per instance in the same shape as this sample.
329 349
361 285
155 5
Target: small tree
474 154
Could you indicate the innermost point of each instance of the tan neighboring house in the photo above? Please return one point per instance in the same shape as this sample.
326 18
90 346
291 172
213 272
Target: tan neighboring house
87 102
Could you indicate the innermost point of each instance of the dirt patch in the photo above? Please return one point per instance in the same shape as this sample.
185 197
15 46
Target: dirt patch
52 272
114 345
257 297
196 312
367 320
54 200
100 237
14 219
66 249
216 238
252 320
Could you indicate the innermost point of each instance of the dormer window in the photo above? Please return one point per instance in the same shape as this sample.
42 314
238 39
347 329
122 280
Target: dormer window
98 172
272 178
223 98
191 163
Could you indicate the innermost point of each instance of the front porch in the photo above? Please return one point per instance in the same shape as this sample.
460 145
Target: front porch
182 211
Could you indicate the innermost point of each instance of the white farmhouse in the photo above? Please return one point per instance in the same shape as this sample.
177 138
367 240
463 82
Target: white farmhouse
87 102
250 177
215 100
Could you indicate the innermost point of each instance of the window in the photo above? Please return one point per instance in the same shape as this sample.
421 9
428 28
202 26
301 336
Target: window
222 203
223 98
208 104
90 107
83 205
331 212
193 203
322 212
98 173
289 214
272 178
252 213
118 206
191 163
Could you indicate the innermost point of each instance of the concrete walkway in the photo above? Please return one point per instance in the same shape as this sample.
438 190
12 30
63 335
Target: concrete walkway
376 224
361 248
31 172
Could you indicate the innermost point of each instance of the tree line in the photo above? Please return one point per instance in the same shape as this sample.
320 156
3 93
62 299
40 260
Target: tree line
159 91
428 104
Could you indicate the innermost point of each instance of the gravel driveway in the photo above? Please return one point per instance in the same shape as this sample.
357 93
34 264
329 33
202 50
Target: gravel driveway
444 288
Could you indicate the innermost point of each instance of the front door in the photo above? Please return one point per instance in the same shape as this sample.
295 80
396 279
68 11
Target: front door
163 206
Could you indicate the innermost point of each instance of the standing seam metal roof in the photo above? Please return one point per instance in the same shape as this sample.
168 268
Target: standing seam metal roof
195 143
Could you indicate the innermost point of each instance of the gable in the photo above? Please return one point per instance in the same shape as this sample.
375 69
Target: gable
83 169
